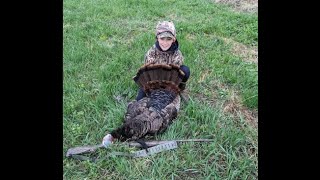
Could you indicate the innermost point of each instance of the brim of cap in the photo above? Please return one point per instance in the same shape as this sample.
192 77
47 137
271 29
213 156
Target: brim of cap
165 34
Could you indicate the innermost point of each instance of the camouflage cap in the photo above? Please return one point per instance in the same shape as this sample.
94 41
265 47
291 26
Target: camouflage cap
165 29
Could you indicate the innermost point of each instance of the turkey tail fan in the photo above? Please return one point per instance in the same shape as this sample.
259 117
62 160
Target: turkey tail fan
152 114
159 76
178 76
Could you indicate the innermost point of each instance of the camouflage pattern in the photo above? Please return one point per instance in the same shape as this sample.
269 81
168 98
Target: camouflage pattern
165 26
165 34
155 56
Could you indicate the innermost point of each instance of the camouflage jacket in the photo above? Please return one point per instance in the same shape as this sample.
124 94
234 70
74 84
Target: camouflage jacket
156 56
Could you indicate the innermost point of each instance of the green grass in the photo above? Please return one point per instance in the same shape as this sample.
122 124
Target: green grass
104 45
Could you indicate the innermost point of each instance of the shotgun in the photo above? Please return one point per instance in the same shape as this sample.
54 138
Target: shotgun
90 149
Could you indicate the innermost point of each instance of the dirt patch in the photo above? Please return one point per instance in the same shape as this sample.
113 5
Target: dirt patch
235 108
250 6
249 54
246 53
232 106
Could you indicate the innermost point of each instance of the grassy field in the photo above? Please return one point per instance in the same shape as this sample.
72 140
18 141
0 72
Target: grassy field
104 45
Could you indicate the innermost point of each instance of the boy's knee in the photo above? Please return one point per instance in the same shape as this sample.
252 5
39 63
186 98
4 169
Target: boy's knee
186 71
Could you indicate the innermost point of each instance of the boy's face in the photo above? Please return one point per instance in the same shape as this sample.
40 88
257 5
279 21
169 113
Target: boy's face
165 42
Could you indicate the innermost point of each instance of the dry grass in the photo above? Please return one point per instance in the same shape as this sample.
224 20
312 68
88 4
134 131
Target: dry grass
250 6
231 106
246 53
235 108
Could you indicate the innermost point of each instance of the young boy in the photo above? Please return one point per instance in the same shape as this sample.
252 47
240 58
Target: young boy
165 51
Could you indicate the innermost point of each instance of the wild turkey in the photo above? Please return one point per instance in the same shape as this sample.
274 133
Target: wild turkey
154 113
